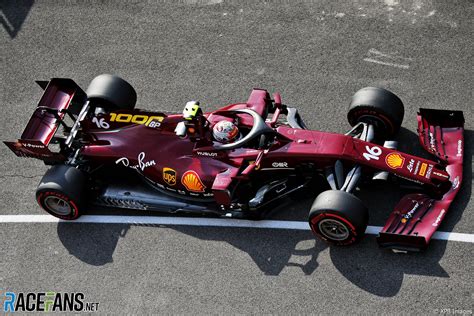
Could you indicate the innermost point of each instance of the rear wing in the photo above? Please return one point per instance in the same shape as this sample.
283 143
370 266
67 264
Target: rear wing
61 97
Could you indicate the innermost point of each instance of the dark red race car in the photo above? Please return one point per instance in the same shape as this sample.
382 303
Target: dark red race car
112 155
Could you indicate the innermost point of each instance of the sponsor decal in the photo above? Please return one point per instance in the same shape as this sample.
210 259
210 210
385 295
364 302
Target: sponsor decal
410 165
192 182
141 165
32 148
32 145
439 218
280 165
428 173
47 301
432 141
394 160
410 213
153 121
169 176
154 124
29 148
423 169
137 119
459 154
206 154
417 167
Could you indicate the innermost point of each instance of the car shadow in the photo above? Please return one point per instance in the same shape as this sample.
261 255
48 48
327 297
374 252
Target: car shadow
381 272
370 268
93 244
13 14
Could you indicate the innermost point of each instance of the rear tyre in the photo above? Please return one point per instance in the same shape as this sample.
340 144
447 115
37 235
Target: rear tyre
338 218
61 191
111 92
379 107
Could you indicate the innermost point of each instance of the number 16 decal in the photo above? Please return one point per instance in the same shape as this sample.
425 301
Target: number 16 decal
372 153
100 123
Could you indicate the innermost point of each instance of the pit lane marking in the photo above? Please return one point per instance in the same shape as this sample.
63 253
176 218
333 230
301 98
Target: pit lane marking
204 222
386 63
377 57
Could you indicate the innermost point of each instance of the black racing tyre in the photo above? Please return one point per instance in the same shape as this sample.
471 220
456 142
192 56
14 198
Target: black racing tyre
379 107
61 190
111 93
338 218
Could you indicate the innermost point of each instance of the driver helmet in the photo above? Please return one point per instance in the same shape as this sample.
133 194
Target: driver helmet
225 132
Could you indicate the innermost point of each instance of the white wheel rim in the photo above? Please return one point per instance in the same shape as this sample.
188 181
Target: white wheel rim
333 229
57 205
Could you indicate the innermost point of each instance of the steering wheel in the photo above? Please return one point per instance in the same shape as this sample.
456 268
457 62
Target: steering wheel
259 128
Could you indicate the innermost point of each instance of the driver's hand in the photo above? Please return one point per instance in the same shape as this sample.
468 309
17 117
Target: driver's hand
180 129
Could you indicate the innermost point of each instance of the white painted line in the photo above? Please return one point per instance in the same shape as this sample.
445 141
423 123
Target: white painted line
371 60
204 222
454 236
378 53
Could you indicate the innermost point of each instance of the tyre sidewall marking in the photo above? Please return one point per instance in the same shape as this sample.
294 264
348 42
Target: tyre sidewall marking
44 194
350 227
367 111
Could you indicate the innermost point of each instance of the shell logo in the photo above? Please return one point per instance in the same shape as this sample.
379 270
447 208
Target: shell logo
192 182
394 160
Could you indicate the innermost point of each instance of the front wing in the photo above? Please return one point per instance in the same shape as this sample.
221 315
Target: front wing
417 216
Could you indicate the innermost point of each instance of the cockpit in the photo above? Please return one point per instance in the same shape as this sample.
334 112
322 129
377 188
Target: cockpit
237 126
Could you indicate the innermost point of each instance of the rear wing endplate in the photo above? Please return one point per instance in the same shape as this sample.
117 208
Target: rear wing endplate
61 97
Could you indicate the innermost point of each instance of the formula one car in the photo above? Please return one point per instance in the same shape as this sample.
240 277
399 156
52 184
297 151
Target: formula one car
112 155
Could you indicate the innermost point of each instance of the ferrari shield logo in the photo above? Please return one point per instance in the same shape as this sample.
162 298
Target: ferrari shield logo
169 175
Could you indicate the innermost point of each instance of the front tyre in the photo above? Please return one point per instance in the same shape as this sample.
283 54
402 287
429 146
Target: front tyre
61 190
378 107
338 218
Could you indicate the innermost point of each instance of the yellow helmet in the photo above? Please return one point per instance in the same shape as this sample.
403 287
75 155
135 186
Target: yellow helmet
191 110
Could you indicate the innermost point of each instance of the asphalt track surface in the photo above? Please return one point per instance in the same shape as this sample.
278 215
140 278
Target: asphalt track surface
317 54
